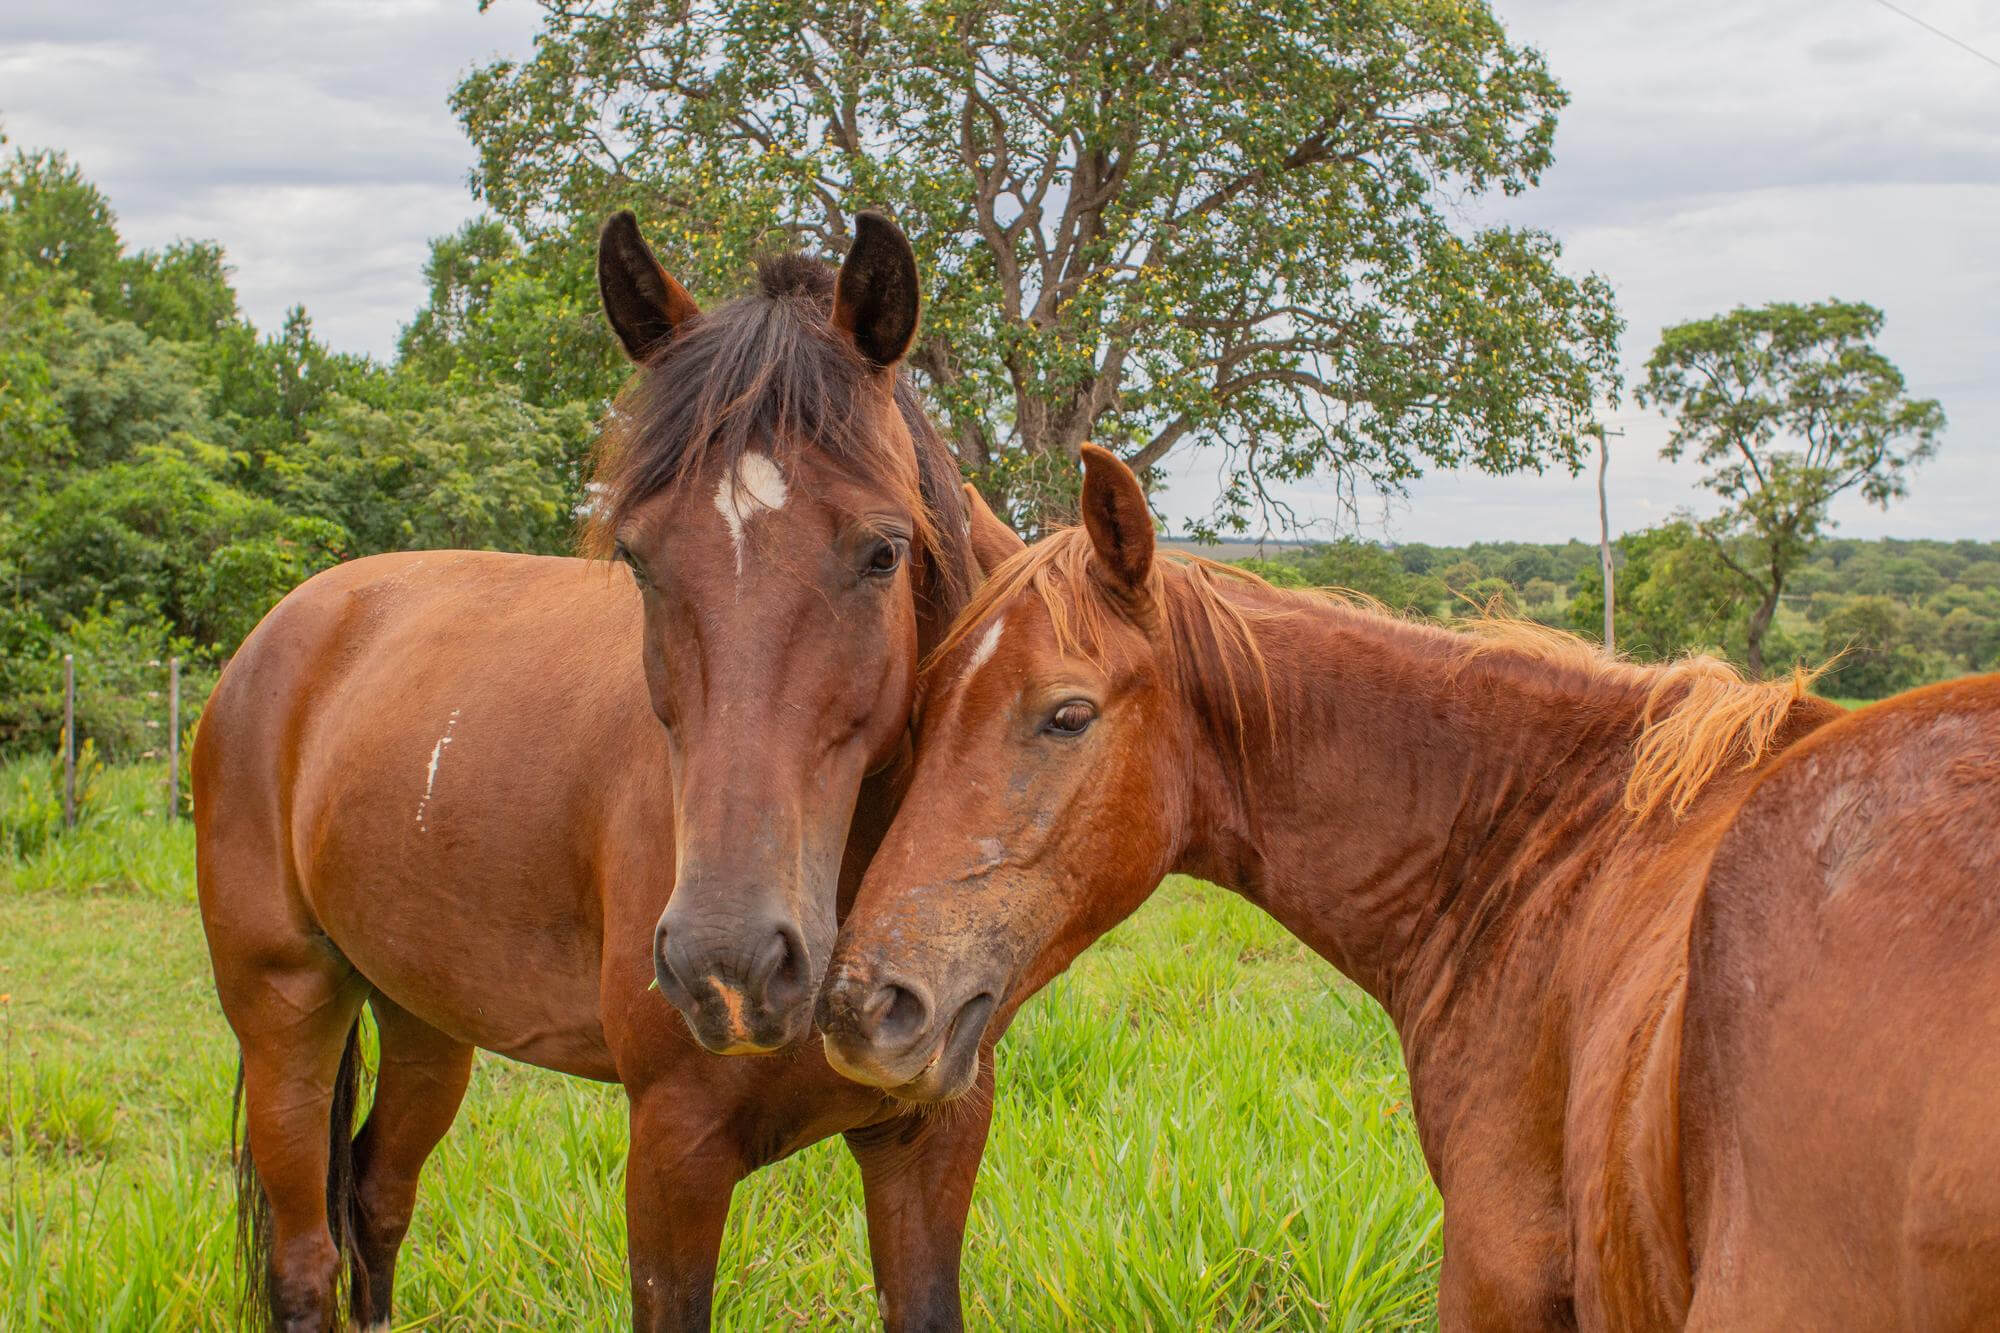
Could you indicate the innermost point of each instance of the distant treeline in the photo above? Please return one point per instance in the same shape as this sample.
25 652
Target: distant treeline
1896 613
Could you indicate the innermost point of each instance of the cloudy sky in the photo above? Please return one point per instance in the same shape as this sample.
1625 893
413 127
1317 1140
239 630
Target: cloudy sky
1716 153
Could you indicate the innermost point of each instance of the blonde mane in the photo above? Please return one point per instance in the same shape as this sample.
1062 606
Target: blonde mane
1700 716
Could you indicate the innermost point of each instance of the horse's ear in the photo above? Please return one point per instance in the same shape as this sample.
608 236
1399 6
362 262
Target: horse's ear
644 305
875 302
992 540
1116 517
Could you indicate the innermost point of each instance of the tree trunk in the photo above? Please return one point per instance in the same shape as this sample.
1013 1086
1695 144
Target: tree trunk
1760 621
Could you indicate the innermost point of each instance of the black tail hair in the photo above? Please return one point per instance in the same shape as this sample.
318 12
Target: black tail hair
253 1205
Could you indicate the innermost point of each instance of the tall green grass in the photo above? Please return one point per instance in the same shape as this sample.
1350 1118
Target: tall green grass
123 843
1199 1126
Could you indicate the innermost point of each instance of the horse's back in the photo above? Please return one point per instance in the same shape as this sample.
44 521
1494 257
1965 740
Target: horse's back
414 756
1841 1054
357 650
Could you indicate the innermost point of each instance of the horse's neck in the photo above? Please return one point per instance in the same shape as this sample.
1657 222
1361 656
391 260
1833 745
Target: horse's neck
935 614
1434 821
946 589
1419 792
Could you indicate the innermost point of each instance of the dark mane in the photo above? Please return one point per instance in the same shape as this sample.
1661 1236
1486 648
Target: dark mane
767 371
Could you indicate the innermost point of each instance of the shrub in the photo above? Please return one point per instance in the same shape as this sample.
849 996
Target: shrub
121 684
34 810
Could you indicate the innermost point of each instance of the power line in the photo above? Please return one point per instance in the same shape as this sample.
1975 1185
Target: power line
1933 28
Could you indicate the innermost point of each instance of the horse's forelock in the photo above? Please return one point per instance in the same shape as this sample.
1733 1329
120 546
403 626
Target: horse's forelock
768 372
1206 636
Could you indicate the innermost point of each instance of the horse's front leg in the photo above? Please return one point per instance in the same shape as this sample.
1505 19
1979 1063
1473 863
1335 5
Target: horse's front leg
682 1169
917 1171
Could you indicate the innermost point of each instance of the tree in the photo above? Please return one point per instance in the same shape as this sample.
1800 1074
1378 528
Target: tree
1367 568
1204 222
167 473
1788 406
61 222
152 535
1971 637
1874 661
461 271
119 390
181 293
483 471
33 427
523 317
300 367
1674 595
242 580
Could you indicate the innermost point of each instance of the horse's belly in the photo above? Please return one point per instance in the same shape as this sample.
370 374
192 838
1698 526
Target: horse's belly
505 957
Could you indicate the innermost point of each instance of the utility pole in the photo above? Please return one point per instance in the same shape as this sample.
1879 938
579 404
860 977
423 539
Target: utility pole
1604 540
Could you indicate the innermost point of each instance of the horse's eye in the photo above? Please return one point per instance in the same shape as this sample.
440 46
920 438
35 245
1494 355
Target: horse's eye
1071 719
885 559
625 557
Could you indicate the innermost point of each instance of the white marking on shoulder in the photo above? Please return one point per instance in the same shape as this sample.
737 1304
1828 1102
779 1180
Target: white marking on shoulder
754 487
983 650
431 773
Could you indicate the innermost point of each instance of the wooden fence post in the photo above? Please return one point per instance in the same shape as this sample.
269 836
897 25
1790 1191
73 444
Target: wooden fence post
173 738
69 740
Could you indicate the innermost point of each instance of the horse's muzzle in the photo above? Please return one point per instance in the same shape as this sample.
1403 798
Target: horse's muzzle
744 990
887 1032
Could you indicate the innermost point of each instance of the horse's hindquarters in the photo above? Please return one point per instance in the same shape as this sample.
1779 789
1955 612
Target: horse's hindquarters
1842 1056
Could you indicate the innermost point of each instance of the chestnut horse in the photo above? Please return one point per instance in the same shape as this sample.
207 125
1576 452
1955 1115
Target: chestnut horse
461 787
1698 981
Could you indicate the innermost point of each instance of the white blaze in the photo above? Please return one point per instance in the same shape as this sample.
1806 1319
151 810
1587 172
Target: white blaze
754 487
984 648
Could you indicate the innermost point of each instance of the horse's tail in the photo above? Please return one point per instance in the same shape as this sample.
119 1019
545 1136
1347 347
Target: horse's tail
253 1205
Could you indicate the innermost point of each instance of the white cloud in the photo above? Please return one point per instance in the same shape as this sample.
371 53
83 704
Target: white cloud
1717 154
312 141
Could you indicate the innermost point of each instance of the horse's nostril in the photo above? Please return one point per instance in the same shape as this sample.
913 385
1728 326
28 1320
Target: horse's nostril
897 1014
672 984
781 970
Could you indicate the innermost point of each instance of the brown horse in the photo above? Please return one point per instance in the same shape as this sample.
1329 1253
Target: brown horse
1698 981
460 787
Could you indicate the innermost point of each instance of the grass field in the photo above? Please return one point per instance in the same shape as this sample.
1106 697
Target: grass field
1199 1127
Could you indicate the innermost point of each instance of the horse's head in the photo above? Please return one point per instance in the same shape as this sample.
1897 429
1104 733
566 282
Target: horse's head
1061 754
796 535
